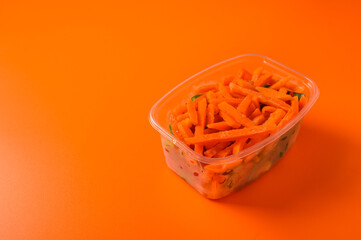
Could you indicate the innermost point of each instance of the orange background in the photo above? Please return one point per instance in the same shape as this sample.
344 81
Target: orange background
79 160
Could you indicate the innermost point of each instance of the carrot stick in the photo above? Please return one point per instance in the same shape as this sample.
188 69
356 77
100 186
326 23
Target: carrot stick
199 129
294 87
182 116
229 120
269 109
184 130
303 102
244 105
263 99
210 113
198 148
236 115
262 80
275 117
191 107
174 126
256 140
227 80
202 111
280 83
256 74
180 109
230 135
291 113
273 93
246 75
223 91
225 152
229 100
218 147
259 119
210 130
283 90
219 126
255 101
243 83
206 88
255 113
238 145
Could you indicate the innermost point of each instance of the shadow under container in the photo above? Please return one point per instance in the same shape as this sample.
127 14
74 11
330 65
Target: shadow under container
218 177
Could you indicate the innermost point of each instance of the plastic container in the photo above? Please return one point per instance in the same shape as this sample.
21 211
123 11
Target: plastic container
218 177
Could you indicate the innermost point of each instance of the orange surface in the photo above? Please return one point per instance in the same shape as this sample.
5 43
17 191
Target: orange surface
79 160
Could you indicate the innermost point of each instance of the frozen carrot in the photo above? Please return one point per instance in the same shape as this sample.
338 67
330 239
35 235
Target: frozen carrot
255 113
262 80
191 107
256 74
220 126
236 115
280 83
229 120
230 135
218 147
238 145
206 88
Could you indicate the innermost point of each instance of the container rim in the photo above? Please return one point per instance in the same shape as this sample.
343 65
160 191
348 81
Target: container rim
314 94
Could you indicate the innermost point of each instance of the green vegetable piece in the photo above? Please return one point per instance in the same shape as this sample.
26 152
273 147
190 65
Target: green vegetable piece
195 97
167 145
170 129
284 138
184 179
266 86
230 185
299 95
